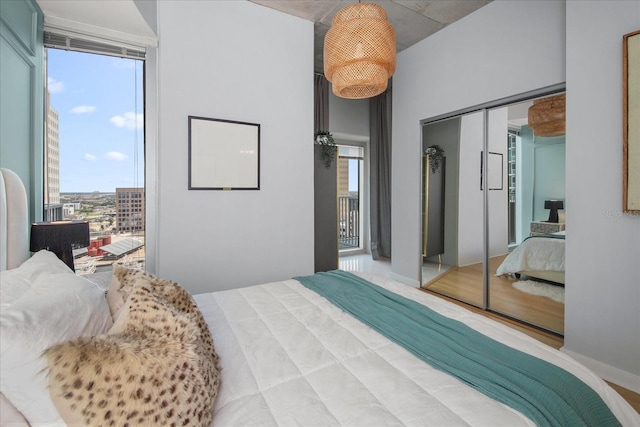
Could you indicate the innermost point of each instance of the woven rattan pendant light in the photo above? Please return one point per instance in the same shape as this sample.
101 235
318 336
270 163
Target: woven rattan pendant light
360 51
547 116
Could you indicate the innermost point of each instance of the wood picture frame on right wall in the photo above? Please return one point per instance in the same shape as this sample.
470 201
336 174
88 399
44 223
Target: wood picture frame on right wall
631 123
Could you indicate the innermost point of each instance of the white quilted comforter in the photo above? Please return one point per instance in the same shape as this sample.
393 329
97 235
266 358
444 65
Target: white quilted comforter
535 254
289 357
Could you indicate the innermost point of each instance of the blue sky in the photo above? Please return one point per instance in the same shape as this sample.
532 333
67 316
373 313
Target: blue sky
353 175
99 100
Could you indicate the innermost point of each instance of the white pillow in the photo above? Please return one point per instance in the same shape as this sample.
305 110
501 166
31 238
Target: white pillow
14 283
9 415
58 307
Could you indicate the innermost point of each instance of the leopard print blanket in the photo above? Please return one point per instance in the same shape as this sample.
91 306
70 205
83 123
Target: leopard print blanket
156 366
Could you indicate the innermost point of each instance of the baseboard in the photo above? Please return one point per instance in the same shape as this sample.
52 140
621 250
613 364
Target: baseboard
607 372
405 280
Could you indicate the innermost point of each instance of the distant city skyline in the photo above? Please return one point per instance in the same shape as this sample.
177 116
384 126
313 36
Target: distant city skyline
99 100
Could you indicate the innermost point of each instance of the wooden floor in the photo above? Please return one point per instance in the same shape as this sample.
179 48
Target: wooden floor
544 337
465 284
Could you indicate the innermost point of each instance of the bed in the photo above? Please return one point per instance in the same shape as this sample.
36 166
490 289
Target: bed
289 353
538 256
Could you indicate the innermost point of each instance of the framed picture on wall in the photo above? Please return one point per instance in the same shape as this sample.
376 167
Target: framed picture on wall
631 124
223 154
494 172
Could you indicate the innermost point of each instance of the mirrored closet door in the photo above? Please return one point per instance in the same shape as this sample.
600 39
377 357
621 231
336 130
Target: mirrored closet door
493 203
452 208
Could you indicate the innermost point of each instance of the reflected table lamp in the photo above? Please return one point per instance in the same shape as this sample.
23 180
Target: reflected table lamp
553 206
61 238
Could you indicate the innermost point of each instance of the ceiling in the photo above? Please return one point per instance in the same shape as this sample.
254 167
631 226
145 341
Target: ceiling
115 20
413 20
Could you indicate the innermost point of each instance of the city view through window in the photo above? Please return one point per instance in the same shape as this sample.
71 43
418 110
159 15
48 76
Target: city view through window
94 154
350 159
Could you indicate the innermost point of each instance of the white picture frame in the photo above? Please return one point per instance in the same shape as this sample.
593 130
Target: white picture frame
494 173
223 154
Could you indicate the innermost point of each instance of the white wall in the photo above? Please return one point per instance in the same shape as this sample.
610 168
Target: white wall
463 65
470 198
149 11
602 317
348 116
239 61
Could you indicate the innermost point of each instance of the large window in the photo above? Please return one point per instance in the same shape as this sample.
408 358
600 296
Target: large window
94 153
350 201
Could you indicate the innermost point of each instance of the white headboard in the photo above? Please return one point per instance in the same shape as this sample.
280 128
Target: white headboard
14 220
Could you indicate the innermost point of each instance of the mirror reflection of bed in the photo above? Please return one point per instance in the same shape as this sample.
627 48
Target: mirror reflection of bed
535 270
520 219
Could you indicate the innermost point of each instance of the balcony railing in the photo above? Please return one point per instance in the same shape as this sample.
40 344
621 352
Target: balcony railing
348 222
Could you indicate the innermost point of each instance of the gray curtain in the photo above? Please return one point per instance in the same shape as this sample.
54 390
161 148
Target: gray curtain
380 142
321 103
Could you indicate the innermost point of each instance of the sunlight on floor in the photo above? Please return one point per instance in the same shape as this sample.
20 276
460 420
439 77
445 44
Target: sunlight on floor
365 264
382 267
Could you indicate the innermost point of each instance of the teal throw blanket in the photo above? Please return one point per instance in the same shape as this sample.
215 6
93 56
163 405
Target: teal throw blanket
547 394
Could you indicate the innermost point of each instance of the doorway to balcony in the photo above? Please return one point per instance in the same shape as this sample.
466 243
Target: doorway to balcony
351 172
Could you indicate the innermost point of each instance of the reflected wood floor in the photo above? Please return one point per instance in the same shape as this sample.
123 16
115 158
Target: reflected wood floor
465 284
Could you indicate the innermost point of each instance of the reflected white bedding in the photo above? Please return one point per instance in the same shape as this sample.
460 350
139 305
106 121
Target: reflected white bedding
535 254
290 357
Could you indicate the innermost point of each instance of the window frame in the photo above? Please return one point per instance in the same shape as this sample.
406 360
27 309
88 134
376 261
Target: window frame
84 43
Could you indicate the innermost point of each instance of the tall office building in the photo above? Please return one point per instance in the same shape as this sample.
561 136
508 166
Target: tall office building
53 208
129 210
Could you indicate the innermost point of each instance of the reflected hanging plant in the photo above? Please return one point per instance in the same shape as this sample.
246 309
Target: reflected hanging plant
328 146
436 154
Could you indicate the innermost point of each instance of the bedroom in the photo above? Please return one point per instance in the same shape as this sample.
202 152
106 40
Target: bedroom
604 249
525 169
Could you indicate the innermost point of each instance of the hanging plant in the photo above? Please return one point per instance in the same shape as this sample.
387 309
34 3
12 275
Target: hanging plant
328 147
436 154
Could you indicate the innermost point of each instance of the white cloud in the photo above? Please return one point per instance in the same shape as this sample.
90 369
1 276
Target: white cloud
129 120
83 109
89 157
54 86
115 155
